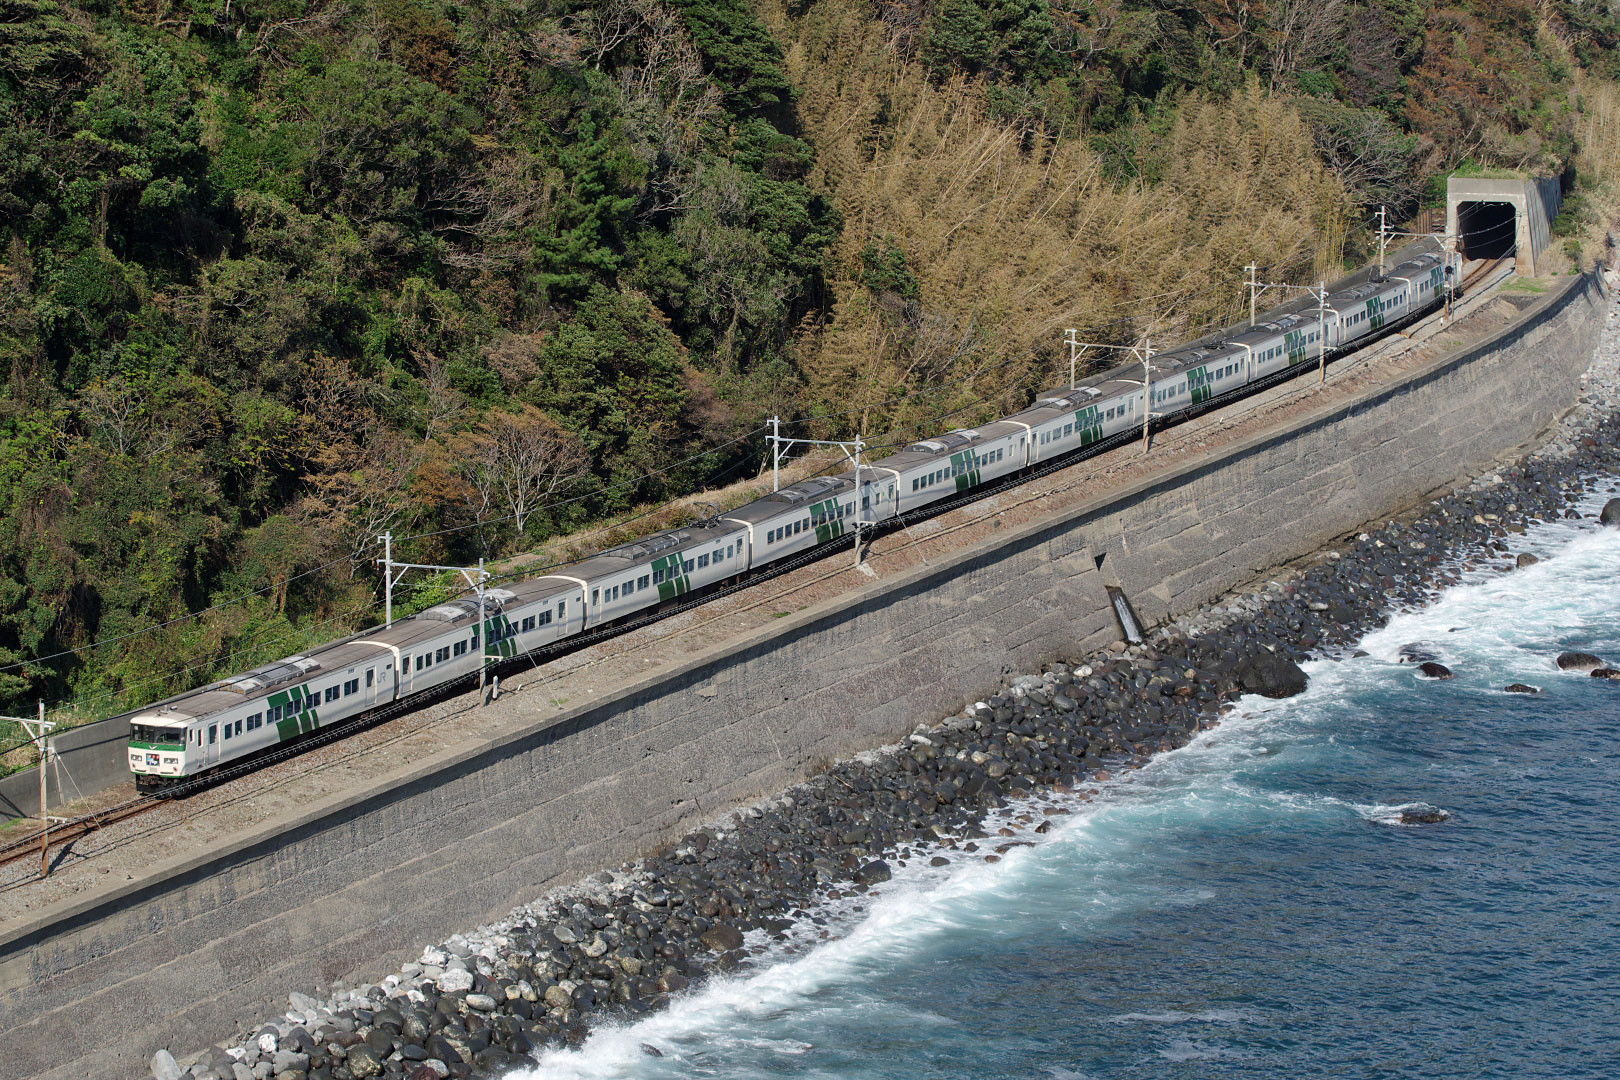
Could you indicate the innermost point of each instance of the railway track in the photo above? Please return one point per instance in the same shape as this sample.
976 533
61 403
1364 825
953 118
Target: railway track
64 832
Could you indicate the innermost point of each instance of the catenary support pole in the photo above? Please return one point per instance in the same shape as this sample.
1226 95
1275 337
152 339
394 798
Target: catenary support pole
483 636
1383 238
387 539
1147 389
1321 334
860 505
776 453
44 806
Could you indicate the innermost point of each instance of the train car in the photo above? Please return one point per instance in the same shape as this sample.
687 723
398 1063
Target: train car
1191 376
636 577
540 612
969 457
1293 339
796 518
227 721
1061 421
1183 378
923 475
1425 279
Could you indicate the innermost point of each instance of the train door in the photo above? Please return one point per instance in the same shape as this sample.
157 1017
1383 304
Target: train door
210 736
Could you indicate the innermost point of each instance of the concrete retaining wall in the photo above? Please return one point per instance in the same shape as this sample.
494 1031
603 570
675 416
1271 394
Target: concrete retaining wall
355 888
84 760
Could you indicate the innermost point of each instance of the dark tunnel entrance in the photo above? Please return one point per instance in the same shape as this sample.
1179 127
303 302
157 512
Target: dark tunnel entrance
1489 229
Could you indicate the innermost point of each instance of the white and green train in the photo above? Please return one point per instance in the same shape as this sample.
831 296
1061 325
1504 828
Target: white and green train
197 733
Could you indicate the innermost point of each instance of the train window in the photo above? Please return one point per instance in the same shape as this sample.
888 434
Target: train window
419 659
716 557
458 648
351 687
703 561
543 619
562 608
369 676
227 729
686 565
239 727
429 658
332 693
213 734
528 624
658 577
645 582
914 485
596 596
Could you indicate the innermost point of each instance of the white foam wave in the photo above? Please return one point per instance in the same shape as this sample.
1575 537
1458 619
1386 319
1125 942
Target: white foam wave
1194 1050
812 977
1206 1016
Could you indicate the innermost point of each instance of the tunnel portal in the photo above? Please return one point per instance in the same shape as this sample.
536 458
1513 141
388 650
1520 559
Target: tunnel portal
1489 229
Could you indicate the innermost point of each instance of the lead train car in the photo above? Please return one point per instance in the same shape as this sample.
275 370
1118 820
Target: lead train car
228 721
244 715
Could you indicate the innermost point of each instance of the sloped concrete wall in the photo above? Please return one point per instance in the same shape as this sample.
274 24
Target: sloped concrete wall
358 886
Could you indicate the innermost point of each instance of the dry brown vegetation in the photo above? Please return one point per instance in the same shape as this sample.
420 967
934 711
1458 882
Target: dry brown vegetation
1013 235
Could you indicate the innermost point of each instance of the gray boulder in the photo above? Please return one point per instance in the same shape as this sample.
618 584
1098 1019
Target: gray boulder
1272 676
164 1067
455 980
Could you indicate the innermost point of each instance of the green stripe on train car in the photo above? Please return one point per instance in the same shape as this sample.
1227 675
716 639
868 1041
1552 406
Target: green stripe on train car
825 520
674 583
1294 342
1088 422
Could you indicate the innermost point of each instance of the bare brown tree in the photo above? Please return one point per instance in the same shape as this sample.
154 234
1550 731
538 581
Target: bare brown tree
359 492
1303 33
514 462
113 411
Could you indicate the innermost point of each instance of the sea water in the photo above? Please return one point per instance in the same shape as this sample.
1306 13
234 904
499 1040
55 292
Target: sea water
1252 905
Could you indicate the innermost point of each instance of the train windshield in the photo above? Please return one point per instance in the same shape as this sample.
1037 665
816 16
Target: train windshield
145 733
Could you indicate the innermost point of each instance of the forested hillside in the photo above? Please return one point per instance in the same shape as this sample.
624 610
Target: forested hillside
278 275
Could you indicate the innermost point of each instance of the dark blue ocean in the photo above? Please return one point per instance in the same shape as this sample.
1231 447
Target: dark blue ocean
1250 906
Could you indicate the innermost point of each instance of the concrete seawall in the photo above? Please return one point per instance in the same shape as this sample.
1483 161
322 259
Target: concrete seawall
361 883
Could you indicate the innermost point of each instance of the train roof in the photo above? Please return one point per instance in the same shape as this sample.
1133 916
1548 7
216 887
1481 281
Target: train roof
266 679
800 495
1176 361
964 438
1268 331
642 552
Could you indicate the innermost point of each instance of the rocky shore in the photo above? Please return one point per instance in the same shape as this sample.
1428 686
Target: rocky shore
624 942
